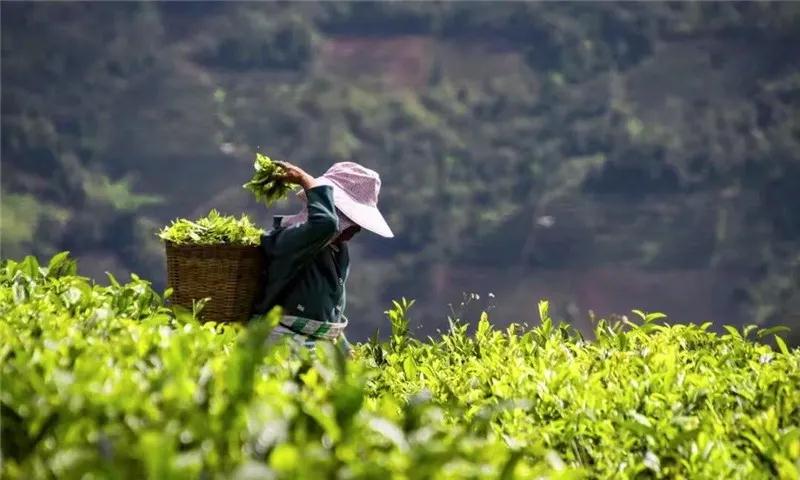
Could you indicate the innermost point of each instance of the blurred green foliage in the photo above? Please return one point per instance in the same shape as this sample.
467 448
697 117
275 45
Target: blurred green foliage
24 220
259 42
661 135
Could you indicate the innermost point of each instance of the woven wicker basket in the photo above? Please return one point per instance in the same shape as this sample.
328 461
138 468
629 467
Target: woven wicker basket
229 274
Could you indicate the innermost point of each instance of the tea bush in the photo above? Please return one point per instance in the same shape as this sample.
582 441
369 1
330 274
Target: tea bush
111 382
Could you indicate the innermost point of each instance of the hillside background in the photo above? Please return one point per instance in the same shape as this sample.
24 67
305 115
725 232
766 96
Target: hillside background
607 156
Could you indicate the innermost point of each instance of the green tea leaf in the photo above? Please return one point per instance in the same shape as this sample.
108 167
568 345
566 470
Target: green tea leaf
214 229
267 184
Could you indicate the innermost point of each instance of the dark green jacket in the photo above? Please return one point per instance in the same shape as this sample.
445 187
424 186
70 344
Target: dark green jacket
306 275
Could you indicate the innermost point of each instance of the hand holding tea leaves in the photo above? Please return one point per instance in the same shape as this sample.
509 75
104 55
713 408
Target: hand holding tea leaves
296 175
272 181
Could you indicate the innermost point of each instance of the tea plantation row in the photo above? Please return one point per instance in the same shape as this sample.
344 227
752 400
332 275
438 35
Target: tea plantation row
108 382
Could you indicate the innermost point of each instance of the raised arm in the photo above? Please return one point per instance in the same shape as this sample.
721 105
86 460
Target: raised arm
297 175
297 243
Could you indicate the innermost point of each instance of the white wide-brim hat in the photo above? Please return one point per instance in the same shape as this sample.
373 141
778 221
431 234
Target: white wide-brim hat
355 194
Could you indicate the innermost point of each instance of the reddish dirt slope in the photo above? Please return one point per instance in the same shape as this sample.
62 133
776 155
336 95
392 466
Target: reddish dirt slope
399 61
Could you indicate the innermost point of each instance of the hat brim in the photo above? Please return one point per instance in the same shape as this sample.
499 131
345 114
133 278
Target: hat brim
365 216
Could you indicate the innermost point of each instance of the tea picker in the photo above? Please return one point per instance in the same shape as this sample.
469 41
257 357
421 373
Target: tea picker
307 261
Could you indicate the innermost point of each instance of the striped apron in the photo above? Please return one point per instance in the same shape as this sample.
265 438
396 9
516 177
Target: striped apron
307 331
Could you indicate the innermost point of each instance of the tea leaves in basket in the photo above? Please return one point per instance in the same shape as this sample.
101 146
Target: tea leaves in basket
213 229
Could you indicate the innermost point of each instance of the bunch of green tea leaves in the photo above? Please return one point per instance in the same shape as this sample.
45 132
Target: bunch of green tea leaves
213 229
267 184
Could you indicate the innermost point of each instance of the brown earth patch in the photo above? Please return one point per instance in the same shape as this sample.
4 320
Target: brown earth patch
399 61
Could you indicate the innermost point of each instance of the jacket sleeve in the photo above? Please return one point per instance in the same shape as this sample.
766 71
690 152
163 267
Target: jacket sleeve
298 243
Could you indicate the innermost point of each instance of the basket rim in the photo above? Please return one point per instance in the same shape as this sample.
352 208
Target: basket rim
216 246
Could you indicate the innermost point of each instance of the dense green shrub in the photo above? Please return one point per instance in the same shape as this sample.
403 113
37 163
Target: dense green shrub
261 44
378 18
109 381
593 100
